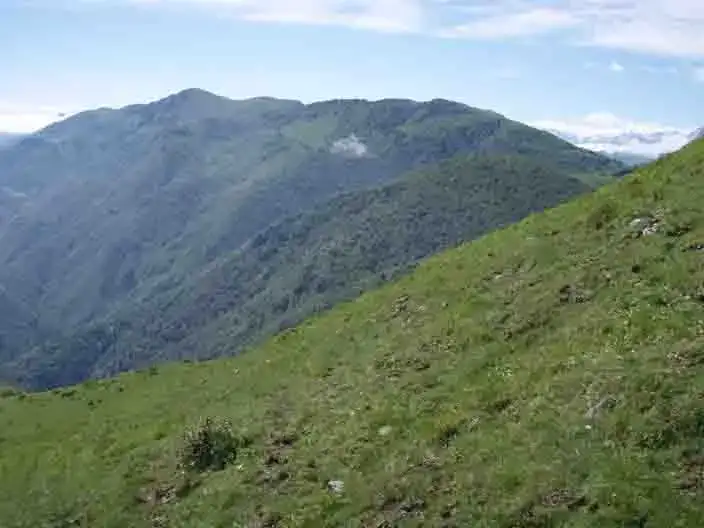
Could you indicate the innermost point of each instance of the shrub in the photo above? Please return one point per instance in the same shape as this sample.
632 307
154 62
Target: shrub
8 392
211 446
603 214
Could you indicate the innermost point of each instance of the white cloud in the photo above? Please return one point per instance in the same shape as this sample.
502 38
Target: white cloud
350 146
515 24
660 27
698 74
378 15
603 131
663 27
616 67
21 119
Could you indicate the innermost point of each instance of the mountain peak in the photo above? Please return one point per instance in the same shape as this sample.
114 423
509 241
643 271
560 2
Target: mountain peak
190 96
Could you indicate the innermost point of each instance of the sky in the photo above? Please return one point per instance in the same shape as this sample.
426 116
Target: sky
614 74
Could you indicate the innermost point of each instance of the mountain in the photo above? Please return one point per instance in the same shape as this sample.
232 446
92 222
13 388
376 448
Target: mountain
547 374
697 134
629 158
119 207
306 264
7 139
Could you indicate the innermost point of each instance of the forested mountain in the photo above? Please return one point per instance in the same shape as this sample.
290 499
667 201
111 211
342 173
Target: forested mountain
111 210
305 264
547 374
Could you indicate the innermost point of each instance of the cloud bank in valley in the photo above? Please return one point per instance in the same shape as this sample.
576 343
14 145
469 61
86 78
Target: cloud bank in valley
611 133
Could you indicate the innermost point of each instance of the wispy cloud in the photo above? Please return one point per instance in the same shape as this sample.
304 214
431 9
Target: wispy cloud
20 118
603 131
350 146
396 16
698 74
616 67
660 27
657 70
508 24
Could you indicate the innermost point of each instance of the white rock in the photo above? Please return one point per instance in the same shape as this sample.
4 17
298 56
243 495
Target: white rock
385 431
336 486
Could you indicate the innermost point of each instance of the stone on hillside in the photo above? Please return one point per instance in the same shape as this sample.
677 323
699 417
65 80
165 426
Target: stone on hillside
336 486
385 430
645 225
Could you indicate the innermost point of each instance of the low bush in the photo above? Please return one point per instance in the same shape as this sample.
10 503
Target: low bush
210 446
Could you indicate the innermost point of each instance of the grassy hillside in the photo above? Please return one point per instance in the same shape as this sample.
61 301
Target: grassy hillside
111 207
548 374
305 264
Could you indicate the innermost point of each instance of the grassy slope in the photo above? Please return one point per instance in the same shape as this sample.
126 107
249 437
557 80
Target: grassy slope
458 396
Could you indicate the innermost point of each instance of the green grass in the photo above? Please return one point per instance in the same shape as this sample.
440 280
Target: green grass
549 374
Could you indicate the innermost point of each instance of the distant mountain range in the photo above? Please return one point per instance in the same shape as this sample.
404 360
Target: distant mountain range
192 226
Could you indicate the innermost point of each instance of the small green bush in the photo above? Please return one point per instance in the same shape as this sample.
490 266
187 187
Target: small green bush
601 215
211 446
8 392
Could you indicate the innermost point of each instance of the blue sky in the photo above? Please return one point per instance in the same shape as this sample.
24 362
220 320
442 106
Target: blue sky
593 69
